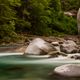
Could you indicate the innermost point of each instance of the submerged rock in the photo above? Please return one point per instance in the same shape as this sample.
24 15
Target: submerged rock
69 46
69 70
56 54
39 47
74 56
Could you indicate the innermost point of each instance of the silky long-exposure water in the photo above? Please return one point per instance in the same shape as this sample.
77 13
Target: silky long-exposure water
19 67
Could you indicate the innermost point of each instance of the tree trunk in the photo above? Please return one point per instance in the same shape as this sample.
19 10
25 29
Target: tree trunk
78 21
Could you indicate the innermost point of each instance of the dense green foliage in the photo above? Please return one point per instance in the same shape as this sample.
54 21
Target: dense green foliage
70 4
40 17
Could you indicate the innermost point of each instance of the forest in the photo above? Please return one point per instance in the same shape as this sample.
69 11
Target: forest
37 17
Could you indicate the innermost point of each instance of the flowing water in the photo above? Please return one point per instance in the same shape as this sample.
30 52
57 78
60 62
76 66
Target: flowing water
18 67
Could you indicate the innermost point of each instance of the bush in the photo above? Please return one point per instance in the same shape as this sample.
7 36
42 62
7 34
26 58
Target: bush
64 24
70 4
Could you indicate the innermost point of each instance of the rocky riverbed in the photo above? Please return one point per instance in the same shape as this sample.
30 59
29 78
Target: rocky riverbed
21 46
62 45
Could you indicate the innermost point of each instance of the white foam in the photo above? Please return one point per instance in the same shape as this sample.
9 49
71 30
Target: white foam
8 54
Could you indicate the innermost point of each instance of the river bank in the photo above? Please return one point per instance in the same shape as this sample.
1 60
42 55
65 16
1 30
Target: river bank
22 45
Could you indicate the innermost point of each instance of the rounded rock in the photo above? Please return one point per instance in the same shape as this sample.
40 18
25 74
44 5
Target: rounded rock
69 70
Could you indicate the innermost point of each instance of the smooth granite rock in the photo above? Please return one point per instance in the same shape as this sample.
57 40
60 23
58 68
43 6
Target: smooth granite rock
69 46
39 47
69 70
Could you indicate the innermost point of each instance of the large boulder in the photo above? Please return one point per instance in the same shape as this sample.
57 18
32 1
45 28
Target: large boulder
68 70
69 46
39 47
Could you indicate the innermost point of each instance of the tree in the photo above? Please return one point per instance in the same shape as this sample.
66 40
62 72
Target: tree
56 5
22 23
39 16
60 22
7 18
68 5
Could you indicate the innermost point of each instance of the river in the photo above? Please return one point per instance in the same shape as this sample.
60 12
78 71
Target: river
18 67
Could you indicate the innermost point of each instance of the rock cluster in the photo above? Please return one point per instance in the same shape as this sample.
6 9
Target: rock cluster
66 48
39 46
